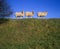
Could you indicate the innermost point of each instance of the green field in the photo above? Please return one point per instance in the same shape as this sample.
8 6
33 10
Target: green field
30 34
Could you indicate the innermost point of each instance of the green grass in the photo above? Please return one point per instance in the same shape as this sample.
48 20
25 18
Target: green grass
30 34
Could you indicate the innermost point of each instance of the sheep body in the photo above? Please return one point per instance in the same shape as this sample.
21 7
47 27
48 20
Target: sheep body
30 14
42 14
19 14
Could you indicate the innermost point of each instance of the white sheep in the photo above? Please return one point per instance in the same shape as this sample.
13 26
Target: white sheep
19 14
29 14
42 14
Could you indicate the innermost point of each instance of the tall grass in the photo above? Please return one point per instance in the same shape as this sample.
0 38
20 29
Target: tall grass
30 34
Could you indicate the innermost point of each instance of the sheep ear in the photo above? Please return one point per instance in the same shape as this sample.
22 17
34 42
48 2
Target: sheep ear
22 11
33 12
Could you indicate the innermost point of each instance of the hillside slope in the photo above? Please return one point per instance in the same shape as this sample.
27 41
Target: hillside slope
30 34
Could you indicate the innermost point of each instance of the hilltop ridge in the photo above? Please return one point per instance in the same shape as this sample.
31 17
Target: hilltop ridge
30 34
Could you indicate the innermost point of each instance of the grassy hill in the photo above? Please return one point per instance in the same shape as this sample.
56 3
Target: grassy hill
30 34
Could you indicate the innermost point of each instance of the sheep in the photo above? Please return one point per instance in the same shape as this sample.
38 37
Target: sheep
29 14
42 14
19 14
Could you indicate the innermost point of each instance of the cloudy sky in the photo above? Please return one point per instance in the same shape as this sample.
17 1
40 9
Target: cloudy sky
51 6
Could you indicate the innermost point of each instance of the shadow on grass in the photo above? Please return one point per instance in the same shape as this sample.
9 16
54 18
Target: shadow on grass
3 20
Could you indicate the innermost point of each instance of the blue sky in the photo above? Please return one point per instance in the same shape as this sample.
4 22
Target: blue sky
51 6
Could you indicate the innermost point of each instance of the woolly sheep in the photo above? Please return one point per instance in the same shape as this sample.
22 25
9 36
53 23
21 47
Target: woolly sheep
19 14
41 14
29 14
